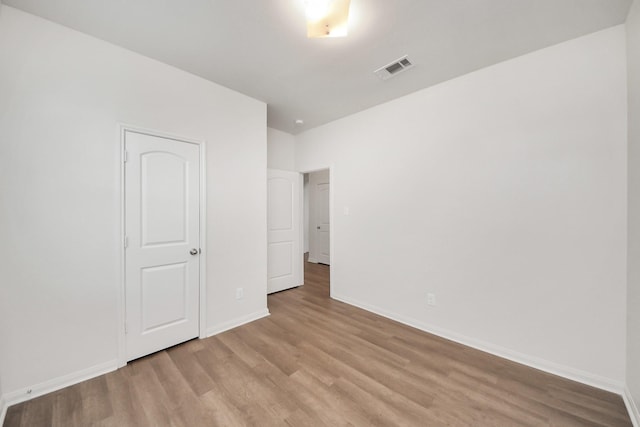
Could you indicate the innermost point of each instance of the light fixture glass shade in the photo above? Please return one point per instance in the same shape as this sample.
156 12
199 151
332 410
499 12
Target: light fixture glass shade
327 18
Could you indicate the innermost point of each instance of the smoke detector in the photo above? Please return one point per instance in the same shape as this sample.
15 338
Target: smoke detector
393 68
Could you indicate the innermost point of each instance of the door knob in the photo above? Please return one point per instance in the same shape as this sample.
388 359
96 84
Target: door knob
193 251
318 227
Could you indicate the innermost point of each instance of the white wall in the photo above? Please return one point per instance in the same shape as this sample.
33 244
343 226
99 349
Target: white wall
280 150
503 192
633 289
62 96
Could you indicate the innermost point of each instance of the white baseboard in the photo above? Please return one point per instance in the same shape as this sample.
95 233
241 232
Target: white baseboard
43 388
632 408
54 384
534 362
3 409
312 260
239 321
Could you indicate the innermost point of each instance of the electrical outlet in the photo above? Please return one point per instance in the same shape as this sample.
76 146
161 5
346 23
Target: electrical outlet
239 293
431 299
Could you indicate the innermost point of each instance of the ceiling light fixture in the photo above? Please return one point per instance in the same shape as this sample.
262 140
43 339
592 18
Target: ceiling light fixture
327 18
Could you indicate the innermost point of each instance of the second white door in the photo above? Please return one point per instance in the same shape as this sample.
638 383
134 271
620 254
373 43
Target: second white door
162 228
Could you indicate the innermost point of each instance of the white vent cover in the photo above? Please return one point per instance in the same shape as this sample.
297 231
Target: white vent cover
394 68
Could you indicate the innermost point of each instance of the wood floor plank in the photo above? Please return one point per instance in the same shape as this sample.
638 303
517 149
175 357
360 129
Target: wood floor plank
319 362
124 401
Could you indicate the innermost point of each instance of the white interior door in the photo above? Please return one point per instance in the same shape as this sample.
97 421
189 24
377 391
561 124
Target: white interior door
284 225
162 227
320 223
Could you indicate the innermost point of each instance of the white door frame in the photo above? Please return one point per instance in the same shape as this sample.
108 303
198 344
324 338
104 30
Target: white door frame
331 222
121 306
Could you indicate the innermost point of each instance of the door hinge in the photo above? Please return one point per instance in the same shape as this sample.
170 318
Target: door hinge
126 242
125 156
126 331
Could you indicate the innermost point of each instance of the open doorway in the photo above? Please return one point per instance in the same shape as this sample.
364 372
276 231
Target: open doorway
319 217
317 214
317 223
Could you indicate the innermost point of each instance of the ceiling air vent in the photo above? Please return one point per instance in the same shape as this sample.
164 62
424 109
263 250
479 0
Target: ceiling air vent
393 68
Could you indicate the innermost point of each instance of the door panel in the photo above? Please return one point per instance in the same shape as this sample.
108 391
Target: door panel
162 225
164 180
280 212
284 225
164 296
281 260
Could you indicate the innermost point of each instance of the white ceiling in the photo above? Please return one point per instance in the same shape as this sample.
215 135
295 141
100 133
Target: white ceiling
260 48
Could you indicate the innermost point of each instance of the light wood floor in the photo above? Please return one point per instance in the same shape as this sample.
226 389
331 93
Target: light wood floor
316 361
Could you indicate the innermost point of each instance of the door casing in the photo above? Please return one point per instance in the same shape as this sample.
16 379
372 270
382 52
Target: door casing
121 314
